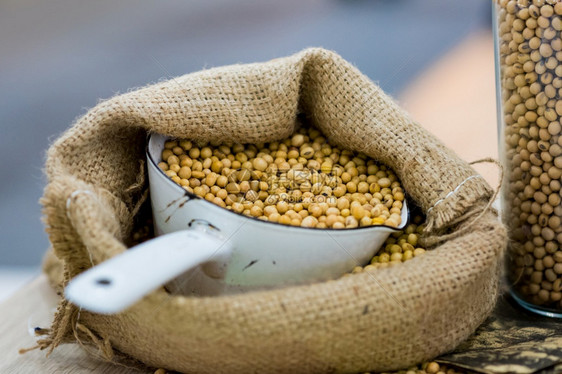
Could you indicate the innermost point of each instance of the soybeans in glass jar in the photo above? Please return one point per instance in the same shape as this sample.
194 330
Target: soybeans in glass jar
528 46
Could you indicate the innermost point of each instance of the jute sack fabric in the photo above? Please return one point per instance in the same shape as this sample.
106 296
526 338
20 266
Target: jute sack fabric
383 320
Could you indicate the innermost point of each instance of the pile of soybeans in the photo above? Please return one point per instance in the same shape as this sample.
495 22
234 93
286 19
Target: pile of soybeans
300 181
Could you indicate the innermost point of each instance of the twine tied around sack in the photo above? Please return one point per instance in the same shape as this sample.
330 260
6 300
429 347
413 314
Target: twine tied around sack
432 240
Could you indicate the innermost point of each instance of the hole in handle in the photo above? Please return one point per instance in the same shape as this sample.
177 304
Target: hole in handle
103 282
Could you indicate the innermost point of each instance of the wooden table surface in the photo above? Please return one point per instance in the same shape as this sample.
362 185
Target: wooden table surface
34 306
454 99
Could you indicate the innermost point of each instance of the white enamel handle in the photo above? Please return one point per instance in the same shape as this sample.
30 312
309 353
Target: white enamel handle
119 282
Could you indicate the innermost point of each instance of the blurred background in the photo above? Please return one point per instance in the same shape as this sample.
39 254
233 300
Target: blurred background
58 58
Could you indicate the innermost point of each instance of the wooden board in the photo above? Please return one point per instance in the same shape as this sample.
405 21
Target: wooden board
34 306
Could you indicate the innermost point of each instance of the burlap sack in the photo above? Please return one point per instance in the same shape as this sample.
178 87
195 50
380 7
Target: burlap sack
387 319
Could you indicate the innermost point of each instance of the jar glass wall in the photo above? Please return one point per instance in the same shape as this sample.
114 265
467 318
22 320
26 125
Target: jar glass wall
529 92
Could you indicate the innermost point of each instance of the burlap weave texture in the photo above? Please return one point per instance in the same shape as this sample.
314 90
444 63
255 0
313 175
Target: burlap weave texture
382 320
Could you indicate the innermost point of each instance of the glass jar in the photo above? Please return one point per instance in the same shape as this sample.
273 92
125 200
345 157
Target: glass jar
528 47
